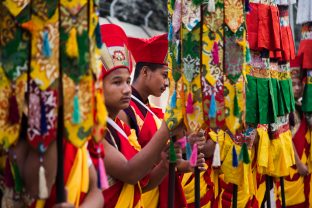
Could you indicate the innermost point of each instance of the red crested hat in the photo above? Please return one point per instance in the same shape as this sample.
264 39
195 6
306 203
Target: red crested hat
295 66
152 50
114 52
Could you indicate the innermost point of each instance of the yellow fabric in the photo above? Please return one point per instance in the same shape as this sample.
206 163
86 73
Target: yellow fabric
276 156
189 188
263 150
241 175
134 140
126 197
260 192
308 139
78 134
71 44
233 123
78 180
294 191
242 197
9 133
40 203
174 116
73 4
15 7
150 198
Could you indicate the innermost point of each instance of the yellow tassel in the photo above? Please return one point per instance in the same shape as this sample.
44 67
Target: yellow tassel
101 112
72 45
43 189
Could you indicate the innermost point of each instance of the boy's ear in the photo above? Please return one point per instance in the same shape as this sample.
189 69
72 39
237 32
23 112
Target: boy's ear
144 71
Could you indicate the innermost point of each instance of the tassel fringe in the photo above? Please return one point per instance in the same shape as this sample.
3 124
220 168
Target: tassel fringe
72 45
216 161
172 154
46 48
211 6
215 53
244 155
173 101
43 189
236 110
170 34
43 119
188 151
18 185
76 111
193 159
102 176
189 104
234 157
213 107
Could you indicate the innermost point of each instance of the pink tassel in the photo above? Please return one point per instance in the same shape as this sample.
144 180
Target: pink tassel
193 158
215 53
189 104
182 142
102 175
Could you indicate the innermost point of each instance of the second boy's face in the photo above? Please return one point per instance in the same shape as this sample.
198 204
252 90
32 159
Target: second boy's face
297 87
117 89
158 81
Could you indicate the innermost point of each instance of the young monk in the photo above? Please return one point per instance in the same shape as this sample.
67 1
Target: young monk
150 78
126 161
297 185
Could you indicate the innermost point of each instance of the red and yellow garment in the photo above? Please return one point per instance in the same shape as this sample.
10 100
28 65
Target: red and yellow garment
297 188
146 124
119 194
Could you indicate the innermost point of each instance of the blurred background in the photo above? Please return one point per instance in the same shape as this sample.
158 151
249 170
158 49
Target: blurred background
147 18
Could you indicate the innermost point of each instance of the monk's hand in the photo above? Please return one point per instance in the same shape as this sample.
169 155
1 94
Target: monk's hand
178 152
201 162
164 155
302 169
198 138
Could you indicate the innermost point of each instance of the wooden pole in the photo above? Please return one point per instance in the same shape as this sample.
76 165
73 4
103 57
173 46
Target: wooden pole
60 188
197 187
283 192
234 200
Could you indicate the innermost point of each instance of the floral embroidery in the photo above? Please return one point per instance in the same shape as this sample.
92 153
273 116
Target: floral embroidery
191 67
233 11
37 98
190 14
78 21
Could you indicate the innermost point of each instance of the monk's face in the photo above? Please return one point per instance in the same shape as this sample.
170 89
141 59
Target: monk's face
297 87
117 89
157 80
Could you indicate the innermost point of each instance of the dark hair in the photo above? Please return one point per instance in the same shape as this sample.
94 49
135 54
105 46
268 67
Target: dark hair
140 65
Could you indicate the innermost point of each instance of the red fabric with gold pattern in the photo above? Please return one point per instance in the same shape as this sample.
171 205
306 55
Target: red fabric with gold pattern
153 50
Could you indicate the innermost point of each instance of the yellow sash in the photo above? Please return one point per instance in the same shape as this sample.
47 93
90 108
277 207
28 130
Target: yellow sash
126 197
78 180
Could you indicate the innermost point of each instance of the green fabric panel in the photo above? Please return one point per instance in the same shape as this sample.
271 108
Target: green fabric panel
292 98
272 111
281 108
286 95
307 99
275 88
251 101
